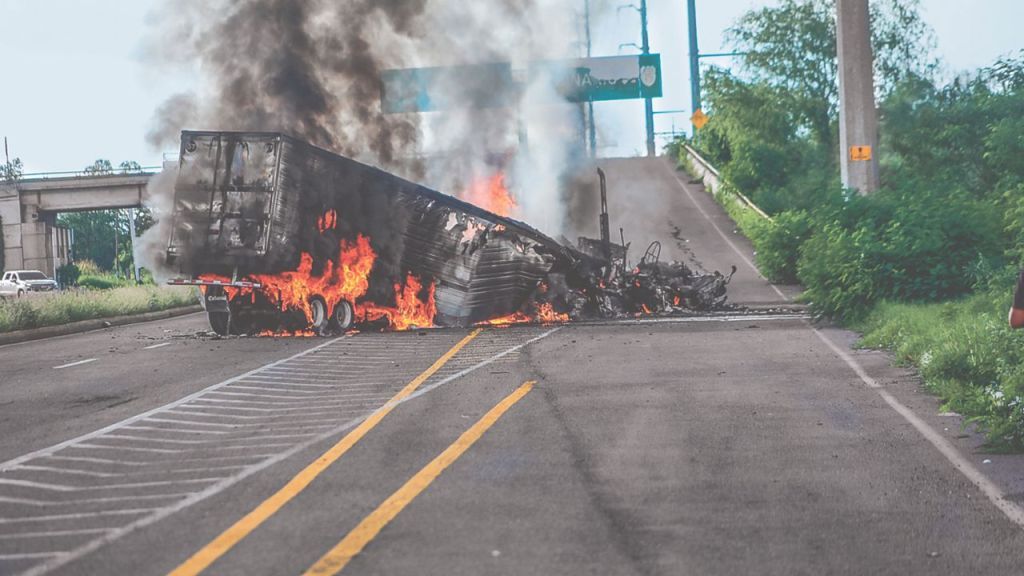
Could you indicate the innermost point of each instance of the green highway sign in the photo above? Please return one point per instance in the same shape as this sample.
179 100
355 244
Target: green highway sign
446 88
605 78
493 85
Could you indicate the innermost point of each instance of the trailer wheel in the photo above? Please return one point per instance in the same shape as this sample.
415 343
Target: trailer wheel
220 322
318 322
343 316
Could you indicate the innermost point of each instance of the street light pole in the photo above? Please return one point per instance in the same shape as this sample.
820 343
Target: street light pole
695 103
645 47
591 128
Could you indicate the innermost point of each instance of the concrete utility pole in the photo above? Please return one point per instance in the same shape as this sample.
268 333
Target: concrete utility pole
691 11
858 119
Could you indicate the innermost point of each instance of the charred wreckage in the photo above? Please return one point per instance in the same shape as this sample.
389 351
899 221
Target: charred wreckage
285 237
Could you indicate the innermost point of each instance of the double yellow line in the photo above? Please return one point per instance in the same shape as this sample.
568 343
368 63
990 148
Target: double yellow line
353 543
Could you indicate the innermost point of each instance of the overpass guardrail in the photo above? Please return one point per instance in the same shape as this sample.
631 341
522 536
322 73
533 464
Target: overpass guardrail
714 182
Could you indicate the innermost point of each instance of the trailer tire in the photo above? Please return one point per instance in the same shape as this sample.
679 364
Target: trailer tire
343 317
318 310
220 322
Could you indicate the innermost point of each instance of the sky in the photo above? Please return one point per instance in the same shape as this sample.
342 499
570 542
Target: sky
75 86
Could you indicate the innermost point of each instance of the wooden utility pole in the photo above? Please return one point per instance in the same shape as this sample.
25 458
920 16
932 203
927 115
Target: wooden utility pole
858 118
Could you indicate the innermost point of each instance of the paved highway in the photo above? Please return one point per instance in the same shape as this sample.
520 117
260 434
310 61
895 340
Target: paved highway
741 444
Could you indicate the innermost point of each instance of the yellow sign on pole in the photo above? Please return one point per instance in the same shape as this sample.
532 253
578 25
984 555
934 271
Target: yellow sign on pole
699 119
860 153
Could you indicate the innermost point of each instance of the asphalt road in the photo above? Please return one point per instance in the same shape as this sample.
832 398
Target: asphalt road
743 444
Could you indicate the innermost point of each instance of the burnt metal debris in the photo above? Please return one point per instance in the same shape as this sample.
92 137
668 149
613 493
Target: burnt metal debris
253 203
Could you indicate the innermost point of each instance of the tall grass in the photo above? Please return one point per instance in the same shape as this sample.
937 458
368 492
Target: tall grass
60 308
966 354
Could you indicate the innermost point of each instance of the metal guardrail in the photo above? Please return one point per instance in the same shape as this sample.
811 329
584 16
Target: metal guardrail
713 181
142 171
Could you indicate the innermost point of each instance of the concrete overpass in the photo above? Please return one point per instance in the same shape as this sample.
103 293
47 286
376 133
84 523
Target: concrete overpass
29 208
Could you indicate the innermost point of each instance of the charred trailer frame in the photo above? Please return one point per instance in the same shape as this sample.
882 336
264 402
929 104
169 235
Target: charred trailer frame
253 203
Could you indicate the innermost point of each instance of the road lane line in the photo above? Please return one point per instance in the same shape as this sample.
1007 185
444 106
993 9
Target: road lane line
266 461
994 493
243 527
79 363
30 555
4 466
693 200
155 346
337 558
53 533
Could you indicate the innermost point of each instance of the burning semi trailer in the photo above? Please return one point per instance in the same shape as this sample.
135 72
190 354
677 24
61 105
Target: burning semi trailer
283 237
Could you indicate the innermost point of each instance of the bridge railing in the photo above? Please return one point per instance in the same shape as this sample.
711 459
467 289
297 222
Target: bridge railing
88 174
713 180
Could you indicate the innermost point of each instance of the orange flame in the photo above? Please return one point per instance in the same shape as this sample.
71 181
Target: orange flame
409 311
492 194
545 315
347 278
328 221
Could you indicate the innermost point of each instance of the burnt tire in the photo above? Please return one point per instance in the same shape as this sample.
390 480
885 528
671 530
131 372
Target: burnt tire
220 322
319 320
343 317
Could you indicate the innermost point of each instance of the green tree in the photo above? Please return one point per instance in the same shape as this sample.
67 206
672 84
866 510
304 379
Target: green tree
103 236
129 166
11 171
792 48
99 167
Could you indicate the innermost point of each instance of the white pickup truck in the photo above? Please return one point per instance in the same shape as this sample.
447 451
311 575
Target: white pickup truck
21 282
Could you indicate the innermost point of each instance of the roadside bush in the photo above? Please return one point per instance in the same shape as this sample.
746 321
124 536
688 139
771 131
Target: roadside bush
17 315
966 354
778 245
65 307
89 268
100 282
893 245
68 275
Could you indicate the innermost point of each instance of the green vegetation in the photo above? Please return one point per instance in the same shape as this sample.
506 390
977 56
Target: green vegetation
925 265
72 306
966 353
103 236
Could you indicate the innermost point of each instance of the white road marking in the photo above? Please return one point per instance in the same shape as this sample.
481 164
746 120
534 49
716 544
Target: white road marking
79 363
68 471
155 346
698 319
181 430
675 174
30 555
991 490
994 493
226 482
75 516
57 447
53 533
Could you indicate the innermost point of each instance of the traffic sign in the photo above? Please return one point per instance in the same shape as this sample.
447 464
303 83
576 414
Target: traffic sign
860 153
604 78
699 119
